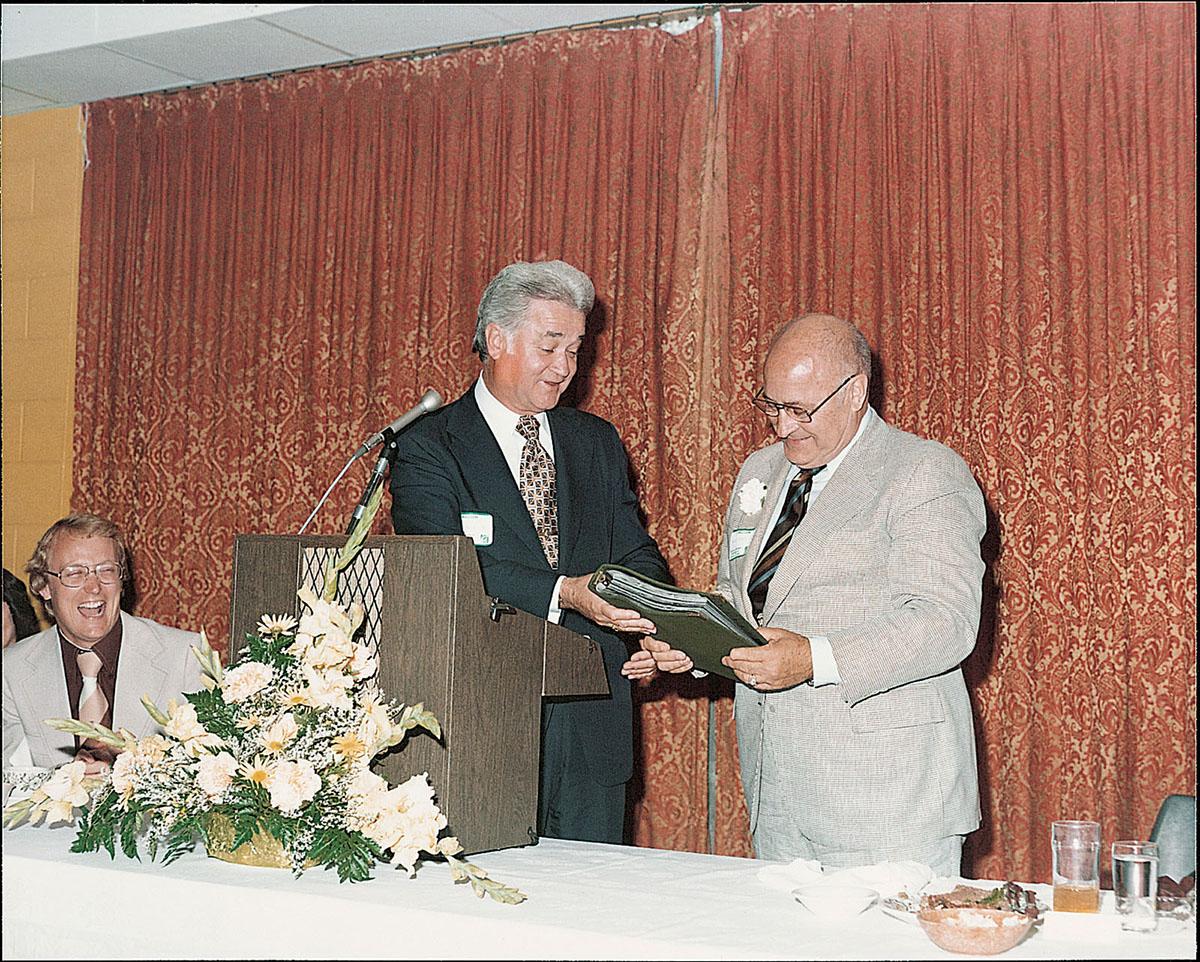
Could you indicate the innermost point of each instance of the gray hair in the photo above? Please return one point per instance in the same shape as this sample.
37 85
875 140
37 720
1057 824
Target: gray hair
505 300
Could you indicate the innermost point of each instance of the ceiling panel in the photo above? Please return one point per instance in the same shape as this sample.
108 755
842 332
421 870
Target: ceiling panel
373 29
219 51
540 16
88 73
17 101
280 37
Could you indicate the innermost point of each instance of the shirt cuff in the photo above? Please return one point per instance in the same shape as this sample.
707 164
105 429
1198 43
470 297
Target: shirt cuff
825 670
555 612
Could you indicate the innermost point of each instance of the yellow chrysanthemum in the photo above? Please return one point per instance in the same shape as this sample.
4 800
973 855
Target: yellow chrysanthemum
349 746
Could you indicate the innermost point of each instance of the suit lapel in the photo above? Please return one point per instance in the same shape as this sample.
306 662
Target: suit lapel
140 672
572 471
45 690
485 473
779 470
841 499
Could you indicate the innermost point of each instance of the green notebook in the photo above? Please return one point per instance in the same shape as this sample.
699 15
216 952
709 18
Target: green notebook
702 624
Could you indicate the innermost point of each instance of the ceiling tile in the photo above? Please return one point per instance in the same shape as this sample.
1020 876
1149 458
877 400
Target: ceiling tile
88 73
17 101
372 29
220 51
540 16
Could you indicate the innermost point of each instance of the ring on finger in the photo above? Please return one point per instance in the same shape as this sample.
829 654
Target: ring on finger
754 681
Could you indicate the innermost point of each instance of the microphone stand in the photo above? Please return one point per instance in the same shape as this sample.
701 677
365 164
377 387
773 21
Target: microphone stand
385 457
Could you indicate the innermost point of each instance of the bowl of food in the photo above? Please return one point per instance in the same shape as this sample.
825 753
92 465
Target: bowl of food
835 903
974 931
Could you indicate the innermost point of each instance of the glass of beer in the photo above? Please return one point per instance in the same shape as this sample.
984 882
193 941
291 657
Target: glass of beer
1135 884
1075 849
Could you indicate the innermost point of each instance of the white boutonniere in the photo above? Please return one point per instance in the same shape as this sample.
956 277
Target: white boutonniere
751 495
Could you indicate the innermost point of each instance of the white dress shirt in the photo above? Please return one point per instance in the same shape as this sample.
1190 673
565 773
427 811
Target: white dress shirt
503 424
825 670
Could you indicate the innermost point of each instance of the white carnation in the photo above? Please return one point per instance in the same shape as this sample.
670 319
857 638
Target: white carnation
292 784
245 680
216 773
751 496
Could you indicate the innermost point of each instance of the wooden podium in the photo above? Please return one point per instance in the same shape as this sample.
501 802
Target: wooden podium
478 664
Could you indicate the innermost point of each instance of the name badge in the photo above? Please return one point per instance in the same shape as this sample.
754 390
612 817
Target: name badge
739 541
477 526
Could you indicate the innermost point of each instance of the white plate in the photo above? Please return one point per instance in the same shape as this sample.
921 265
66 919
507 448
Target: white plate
903 916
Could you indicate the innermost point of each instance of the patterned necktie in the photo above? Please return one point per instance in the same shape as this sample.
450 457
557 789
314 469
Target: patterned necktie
776 543
537 487
92 704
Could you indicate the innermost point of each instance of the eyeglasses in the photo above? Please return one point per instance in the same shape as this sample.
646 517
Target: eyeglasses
73 576
772 409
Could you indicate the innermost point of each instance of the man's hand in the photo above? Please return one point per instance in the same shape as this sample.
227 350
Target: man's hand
665 657
784 661
576 595
96 756
640 665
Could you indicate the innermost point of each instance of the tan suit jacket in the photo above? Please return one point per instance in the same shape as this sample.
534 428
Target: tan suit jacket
155 661
886 565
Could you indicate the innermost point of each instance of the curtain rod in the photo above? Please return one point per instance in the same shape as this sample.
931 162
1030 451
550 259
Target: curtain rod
673 15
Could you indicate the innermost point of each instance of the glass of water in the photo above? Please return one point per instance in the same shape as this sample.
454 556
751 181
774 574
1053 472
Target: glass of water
1135 884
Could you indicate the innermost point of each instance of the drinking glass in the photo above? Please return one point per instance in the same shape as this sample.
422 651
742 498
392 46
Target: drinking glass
1135 884
1075 850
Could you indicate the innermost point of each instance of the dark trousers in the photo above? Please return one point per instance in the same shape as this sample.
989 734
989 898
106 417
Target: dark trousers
571 804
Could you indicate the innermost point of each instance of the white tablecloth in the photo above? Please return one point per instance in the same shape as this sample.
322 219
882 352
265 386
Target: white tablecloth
585 901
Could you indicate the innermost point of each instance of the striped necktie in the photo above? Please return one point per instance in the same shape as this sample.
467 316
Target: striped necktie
776 543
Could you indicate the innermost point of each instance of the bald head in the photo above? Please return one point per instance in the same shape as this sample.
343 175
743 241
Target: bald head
819 364
838 342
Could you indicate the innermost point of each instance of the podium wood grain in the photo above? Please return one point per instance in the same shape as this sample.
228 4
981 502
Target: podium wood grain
438 644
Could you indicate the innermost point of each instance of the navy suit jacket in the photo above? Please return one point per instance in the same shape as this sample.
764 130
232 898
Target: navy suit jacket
449 463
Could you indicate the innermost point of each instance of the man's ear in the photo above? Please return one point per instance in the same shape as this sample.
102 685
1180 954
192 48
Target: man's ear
858 391
496 340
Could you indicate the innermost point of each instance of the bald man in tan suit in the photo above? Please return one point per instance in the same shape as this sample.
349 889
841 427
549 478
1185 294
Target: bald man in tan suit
854 725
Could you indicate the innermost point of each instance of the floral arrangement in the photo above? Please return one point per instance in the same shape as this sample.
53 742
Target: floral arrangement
277 747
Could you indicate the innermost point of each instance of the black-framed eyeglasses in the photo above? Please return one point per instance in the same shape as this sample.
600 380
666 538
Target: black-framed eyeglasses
772 409
73 576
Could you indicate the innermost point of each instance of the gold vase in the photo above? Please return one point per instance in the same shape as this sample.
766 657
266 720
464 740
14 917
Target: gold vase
263 850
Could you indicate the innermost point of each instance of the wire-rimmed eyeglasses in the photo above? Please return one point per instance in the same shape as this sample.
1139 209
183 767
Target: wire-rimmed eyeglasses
772 409
73 576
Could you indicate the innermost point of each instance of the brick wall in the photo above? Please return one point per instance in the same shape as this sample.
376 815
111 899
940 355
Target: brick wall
42 169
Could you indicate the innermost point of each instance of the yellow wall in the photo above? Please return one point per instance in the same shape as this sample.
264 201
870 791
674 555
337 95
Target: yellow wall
42 168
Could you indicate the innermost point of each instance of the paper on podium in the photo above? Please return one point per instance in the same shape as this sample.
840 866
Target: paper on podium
702 624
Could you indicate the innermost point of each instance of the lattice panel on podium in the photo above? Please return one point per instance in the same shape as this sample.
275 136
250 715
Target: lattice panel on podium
362 581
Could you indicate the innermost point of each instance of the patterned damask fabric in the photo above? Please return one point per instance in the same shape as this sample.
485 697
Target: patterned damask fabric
1002 196
271 270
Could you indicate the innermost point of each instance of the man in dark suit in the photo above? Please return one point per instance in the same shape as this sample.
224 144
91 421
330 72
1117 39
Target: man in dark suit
544 493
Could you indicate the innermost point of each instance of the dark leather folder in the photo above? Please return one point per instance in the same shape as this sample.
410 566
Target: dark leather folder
702 624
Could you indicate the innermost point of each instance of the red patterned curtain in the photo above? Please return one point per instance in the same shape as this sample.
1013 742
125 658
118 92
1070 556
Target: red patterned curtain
1003 197
271 270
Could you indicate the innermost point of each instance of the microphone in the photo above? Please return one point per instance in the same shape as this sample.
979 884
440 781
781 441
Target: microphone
430 401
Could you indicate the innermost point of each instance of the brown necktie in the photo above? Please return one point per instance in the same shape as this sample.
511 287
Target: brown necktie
92 704
537 487
776 543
